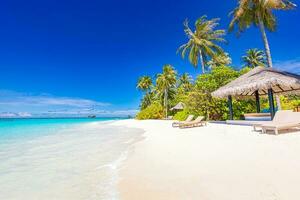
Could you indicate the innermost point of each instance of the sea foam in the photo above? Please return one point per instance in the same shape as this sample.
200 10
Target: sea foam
63 160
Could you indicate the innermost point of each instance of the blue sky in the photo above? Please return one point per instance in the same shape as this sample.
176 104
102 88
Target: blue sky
73 56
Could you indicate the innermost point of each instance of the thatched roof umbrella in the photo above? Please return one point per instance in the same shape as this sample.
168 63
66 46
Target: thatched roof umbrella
179 106
260 81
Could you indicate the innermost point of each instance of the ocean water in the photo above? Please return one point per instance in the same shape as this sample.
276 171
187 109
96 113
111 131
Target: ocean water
62 159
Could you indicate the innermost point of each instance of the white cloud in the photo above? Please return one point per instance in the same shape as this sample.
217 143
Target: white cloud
11 98
8 114
125 112
292 66
84 112
24 114
11 114
16 104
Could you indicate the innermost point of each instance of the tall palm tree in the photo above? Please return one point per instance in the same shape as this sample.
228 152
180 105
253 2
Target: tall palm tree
165 82
260 13
254 58
219 60
147 100
144 83
185 81
202 43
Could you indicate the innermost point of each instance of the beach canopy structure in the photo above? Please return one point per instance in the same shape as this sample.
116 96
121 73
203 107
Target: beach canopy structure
179 106
260 81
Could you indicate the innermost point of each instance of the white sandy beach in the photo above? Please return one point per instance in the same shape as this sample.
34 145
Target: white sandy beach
210 163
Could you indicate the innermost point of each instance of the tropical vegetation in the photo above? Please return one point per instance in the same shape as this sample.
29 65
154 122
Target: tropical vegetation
165 85
260 14
203 47
203 42
254 58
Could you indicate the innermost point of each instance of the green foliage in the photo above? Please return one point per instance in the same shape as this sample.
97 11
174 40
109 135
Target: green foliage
144 83
200 101
166 79
243 106
181 96
250 12
218 60
197 97
254 58
166 85
203 46
202 43
244 70
147 100
181 115
153 111
185 82
290 102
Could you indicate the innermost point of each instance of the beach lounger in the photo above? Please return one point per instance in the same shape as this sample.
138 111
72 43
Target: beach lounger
280 126
188 119
169 118
279 117
195 123
257 116
283 120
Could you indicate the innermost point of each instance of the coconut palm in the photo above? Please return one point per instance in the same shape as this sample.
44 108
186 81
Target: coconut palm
165 84
185 81
259 13
202 43
144 83
219 60
254 58
147 100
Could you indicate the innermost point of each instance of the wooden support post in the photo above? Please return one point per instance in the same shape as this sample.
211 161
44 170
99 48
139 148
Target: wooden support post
271 103
257 101
230 107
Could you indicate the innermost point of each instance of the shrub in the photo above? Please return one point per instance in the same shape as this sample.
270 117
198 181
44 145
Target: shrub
154 111
181 115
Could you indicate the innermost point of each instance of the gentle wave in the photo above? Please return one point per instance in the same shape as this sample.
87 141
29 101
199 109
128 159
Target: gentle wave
74 161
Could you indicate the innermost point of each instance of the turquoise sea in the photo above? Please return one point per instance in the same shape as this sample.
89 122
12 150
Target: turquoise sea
62 158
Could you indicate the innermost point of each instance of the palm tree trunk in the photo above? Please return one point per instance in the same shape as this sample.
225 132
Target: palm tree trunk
166 106
266 43
202 62
268 53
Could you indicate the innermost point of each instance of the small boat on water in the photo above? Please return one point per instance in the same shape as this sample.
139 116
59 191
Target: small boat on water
92 116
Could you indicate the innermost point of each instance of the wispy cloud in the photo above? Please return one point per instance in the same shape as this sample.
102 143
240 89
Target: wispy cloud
84 112
17 104
11 98
11 114
288 65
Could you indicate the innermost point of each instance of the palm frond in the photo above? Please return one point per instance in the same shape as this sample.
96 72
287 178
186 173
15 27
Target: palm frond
204 39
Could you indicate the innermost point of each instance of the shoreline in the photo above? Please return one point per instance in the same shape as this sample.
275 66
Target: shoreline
63 160
214 162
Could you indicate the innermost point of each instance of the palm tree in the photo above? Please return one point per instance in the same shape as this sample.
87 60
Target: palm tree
185 81
254 58
147 100
202 43
219 60
165 83
144 83
259 13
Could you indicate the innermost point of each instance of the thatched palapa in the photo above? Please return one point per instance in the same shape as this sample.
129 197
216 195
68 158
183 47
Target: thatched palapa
261 79
179 106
